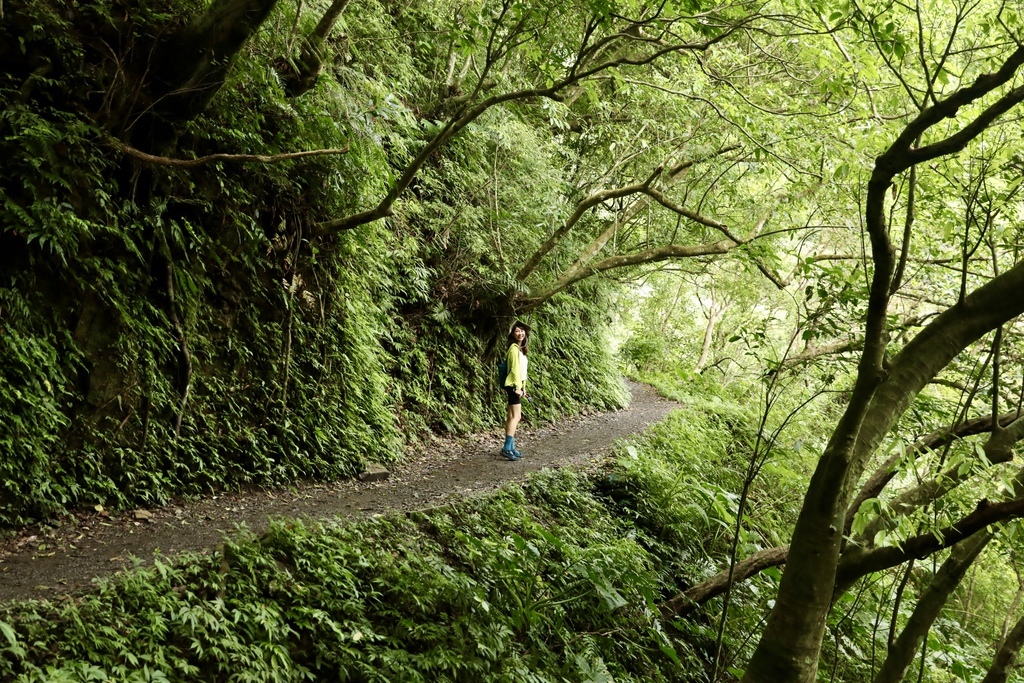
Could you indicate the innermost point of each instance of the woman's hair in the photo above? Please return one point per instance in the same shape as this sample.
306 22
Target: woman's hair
524 347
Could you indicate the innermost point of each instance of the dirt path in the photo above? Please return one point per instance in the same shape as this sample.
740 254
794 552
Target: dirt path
53 561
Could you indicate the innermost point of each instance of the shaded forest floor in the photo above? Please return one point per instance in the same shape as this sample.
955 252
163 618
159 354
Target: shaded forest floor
55 560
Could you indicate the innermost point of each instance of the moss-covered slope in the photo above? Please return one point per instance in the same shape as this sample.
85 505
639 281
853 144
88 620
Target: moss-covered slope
169 327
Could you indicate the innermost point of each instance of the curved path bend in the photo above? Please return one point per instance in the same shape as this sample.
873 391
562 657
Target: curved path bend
52 561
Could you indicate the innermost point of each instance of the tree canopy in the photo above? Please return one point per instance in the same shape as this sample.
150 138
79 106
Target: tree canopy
249 241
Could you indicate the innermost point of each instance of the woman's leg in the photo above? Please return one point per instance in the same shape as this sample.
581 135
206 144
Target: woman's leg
515 412
511 422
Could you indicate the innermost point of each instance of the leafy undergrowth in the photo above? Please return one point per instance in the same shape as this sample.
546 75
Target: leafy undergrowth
170 332
556 580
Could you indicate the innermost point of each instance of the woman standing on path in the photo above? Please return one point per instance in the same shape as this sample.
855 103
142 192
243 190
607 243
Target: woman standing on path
515 385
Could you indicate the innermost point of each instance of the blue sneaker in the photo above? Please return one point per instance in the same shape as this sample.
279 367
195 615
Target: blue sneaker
509 455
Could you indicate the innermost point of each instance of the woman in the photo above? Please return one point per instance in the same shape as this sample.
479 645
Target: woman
515 385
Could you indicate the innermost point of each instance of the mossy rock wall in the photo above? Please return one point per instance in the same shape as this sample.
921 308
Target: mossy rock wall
168 330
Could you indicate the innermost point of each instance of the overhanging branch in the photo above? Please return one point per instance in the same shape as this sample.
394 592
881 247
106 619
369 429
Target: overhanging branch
852 566
154 160
592 200
664 178
467 116
624 260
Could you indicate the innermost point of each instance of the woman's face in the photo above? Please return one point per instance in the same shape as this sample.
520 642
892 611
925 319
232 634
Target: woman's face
518 333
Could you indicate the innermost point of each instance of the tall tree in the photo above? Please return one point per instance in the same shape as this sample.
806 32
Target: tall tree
886 384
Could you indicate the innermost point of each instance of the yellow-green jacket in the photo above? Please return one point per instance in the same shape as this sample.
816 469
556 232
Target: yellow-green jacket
517 364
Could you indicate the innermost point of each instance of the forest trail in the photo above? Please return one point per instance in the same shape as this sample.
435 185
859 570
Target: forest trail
53 561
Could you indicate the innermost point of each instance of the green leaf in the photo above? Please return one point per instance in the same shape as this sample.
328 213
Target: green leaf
12 638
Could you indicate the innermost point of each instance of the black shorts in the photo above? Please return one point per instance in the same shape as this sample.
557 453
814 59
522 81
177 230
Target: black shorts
514 399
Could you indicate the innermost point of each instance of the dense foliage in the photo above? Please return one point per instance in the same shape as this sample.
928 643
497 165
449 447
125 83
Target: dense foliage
798 402
246 241
558 580
169 330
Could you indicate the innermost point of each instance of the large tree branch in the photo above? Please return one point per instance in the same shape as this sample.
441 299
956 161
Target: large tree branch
932 349
650 256
901 154
465 116
213 158
999 447
583 267
931 442
853 565
933 489
694 597
862 561
815 352
665 178
856 561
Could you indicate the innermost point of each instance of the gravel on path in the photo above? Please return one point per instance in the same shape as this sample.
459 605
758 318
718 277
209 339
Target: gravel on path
51 561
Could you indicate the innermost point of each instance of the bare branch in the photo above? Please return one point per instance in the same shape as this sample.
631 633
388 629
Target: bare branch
908 223
467 116
852 566
650 256
589 202
215 158
815 352
694 597
692 215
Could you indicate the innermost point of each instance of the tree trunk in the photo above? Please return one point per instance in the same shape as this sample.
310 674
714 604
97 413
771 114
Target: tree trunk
788 650
902 652
715 314
192 65
310 63
789 647
1006 655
